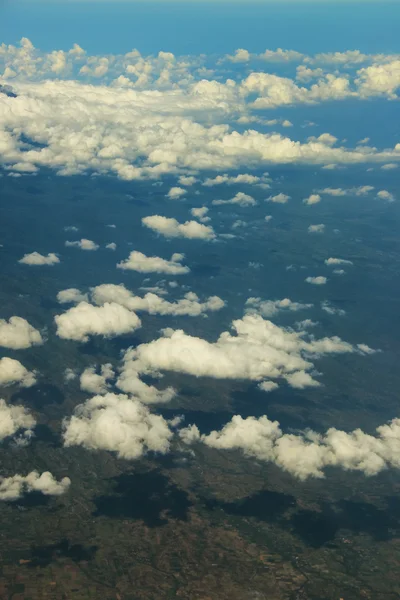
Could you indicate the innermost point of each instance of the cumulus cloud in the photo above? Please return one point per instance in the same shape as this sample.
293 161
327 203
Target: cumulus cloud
332 310
12 372
320 228
361 190
13 488
244 178
337 261
279 198
269 308
118 424
306 454
171 228
17 334
15 419
240 199
385 195
200 213
312 199
83 244
97 383
111 246
260 351
39 259
153 304
320 280
137 261
71 296
176 192
81 321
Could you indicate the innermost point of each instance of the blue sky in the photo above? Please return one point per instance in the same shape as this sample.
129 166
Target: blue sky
197 26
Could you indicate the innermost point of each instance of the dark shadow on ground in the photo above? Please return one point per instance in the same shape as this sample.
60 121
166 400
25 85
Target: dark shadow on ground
42 556
39 395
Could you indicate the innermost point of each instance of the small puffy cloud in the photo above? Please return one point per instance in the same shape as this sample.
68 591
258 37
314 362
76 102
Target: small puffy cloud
71 296
39 259
13 488
187 180
137 261
306 454
96 383
200 213
320 280
244 178
312 199
118 424
12 372
84 320
332 310
389 167
240 56
240 199
111 246
301 380
279 198
281 55
14 419
361 190
69 375
171 228
269 308
18 334
268 218
337 261
83 244
320 228
385 195
176 192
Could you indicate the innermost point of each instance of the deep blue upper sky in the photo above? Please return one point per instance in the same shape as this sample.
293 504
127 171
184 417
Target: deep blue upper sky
195 27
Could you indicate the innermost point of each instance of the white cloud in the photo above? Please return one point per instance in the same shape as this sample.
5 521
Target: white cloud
137 261
382 79
71 296
171 228
96 383
39 259
385 195
12 372
320 228
176 192
13 419
320 280
279 198
244 178
83 244
81 321
389 166
269 308
240 199
118 424
312 199
153 304
187 180
200 213
337 261
13 488
240 56
17 334
332 310
268 218
361 190
111 246
280 55
308 454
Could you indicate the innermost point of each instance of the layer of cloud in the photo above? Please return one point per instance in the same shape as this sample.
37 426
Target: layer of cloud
17 334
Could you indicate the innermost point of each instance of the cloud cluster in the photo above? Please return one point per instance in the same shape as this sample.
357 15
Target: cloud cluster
12 372
269 308
118 424
137 261
84 320
13 488
308 454
36 259
171 228
14 419
17 334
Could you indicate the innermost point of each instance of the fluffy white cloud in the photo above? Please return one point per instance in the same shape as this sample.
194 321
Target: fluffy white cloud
280 55
81 321
245 178
381 79
312 199
39 259
279 198
337 261
17 333
187 180
176 192
320 228
111 246
96 383
119 424
308 454
332 310
137 261
12 371
13 488
171 228
200 213
385 195
260 351
269 308
240 198
320 280
14 419
83 244
240 56
361 190
153 304
71 296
